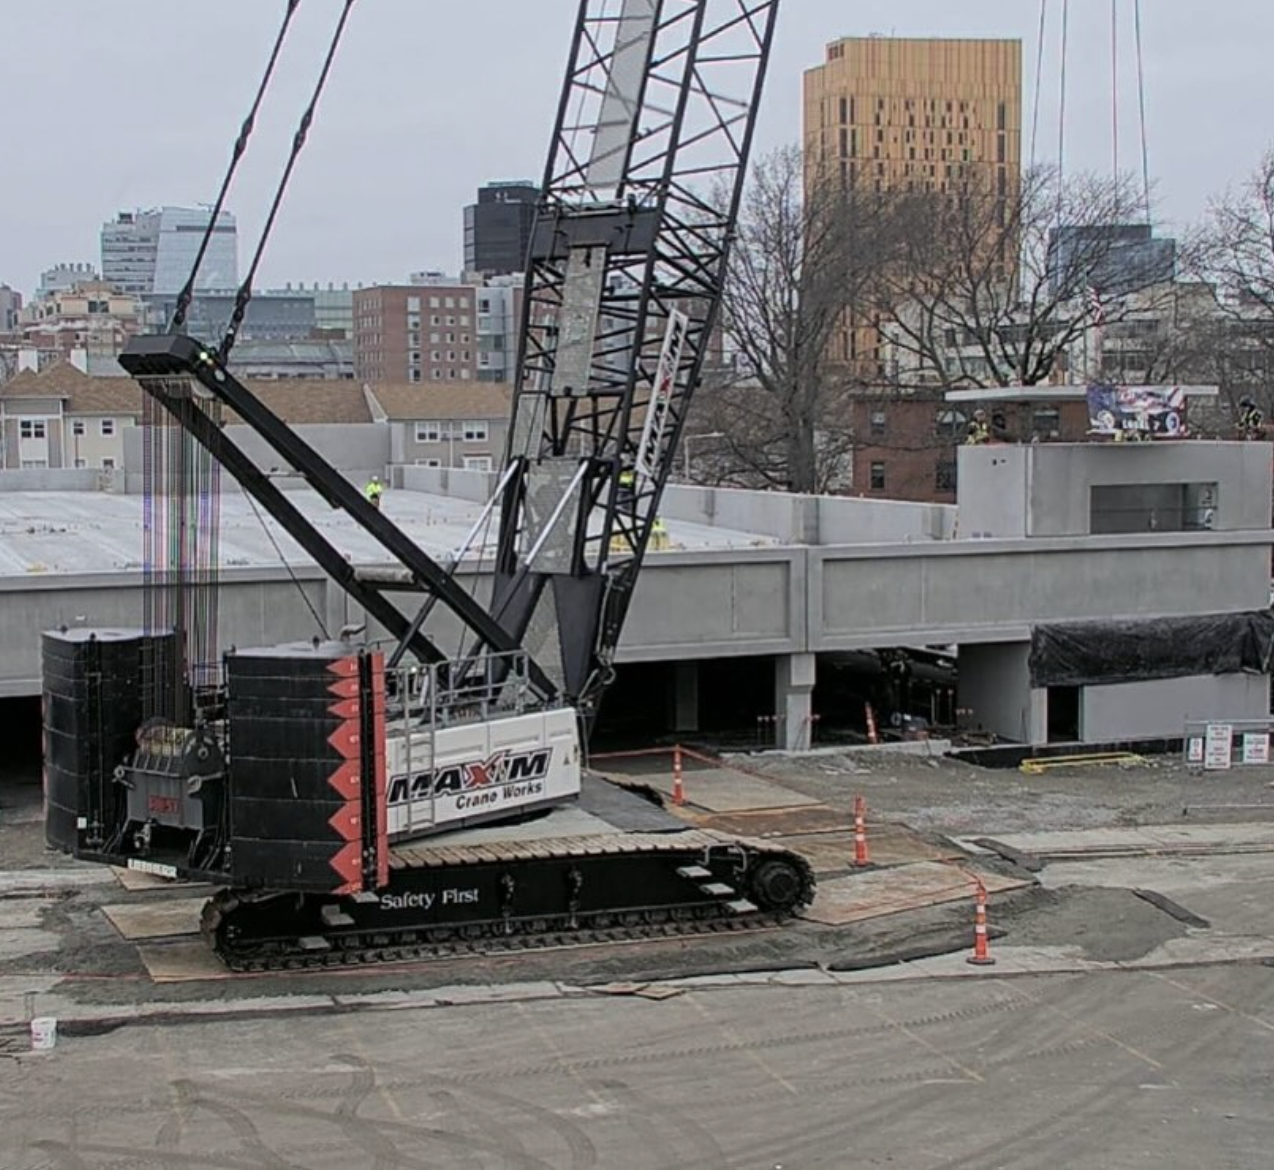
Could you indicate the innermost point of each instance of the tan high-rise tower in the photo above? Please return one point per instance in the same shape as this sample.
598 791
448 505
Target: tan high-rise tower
916 113
904 115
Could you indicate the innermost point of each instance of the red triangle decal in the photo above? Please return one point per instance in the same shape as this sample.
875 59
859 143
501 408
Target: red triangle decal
343 667
347 780
345 709
348 823
345 688
348 864
345 739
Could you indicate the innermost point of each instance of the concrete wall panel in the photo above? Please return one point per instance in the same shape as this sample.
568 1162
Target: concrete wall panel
990 591
685 609
1161 707
1044 490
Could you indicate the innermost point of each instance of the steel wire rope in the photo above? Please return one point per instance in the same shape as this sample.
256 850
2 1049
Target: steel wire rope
1141 102
240 148
1061 114
298 142
1114 89
1039 77
318 621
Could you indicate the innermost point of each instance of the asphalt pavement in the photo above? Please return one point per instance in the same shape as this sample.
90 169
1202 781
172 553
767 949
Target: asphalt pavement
1128 1020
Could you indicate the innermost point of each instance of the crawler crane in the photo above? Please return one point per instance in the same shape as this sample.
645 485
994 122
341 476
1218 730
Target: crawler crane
374 795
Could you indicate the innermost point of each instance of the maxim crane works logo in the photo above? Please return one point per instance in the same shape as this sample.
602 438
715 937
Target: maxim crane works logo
524 772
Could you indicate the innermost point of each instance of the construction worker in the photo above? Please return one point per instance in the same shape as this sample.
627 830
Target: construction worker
374 490
1251 423
979 429
628 491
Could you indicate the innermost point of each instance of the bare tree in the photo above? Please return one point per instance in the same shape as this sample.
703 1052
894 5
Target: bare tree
1236 255
805 251
1001 287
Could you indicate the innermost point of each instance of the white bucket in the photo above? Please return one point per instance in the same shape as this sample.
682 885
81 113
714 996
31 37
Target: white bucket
44 1033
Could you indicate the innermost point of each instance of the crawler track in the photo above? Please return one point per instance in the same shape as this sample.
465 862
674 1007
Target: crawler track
511 897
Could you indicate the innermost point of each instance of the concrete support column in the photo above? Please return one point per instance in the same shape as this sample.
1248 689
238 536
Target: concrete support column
684 697
794 676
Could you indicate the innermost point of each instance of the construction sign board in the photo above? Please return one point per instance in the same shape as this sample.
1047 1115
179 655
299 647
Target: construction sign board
1217 747
1256 747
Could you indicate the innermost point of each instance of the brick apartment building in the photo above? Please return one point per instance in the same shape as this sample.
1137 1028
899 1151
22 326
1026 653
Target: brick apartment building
417 333
906 448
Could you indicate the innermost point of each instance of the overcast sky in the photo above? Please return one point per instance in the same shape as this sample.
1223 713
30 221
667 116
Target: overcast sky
125 104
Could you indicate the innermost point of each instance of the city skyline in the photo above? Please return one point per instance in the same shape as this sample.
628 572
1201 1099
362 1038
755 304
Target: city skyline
394 159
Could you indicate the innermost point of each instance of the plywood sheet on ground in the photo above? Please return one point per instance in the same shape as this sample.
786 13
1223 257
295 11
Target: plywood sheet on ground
139 920
725 790
182 962
889 844
878 892
132 879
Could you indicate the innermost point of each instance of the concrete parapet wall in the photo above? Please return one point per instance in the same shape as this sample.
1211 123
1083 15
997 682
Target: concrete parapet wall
58 479
357 450
810 520
474 486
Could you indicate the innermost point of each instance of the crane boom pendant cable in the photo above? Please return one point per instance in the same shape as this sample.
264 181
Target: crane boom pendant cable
298 142
240 147
1039 78
1141 101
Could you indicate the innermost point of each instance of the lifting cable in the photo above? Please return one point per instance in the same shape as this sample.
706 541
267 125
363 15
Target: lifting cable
240 147
1141 99
1061 114
298 141
287 565
1039 77
1114 89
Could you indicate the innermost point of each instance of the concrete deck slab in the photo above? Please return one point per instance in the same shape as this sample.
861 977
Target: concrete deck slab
876 893
1162 839
47 532
143 920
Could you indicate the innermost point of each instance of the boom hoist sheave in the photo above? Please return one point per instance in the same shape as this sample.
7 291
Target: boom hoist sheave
310 781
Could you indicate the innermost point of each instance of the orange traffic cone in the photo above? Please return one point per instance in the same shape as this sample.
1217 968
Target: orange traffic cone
981 956
873 734
678 787
861 855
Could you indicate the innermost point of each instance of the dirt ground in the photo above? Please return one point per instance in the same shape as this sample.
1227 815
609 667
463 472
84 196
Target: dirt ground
947 796
940 797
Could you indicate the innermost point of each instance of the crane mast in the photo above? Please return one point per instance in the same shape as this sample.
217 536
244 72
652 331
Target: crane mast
623 288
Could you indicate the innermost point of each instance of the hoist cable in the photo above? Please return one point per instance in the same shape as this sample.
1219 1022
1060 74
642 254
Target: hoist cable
1141 102
298 142
287 565
1061 112
1039 77
240 147
1114 88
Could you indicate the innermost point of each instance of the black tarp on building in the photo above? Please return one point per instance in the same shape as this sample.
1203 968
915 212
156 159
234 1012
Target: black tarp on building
1100 653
